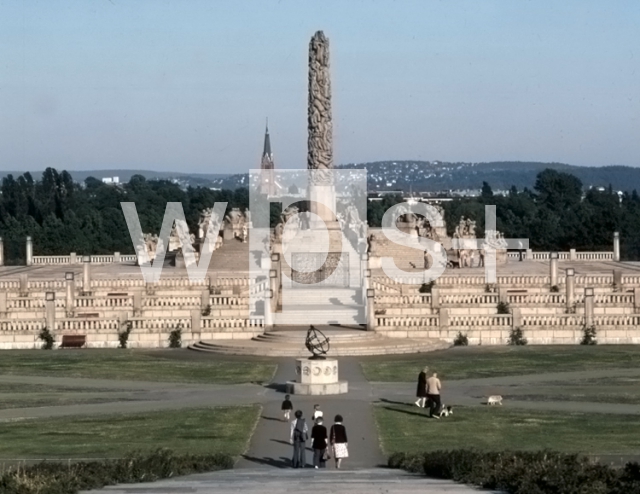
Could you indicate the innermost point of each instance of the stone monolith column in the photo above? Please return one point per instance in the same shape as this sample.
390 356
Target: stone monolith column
50 310
320 127
86 274
1 252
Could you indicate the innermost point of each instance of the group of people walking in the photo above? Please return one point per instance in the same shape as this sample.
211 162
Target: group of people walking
428 392
324 443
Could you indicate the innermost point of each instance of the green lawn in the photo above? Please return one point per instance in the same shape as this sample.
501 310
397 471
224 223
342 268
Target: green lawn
139 365
478 362
196 431
406 428
19 395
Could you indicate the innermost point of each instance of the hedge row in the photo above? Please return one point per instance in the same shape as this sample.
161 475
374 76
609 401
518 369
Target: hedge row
523 472
61 478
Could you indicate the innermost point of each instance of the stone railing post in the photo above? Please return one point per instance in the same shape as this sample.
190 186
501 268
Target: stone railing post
1 252
274 288
366 284
29 255
572 255
636 300
73 258
70 285
616 246
617 280
213 281
86 275
116 257
205 299
553 268
196 323
50 310
588 306
570 287
529 254
516 317
268 313
3 305
137 303
443 321
24 285
371 310
503 296
435 297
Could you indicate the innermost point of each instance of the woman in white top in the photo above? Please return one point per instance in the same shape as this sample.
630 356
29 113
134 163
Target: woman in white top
316 412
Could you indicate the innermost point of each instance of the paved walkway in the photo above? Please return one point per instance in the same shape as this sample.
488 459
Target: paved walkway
270 442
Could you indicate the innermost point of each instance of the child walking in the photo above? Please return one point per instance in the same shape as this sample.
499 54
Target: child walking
286 408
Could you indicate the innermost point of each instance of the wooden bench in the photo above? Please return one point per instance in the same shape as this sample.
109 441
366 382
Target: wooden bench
73 341
88 314
118 294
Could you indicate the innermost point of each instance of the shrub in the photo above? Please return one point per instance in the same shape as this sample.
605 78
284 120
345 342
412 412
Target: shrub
207 310
58 478
555 289
123 336
175 337
516 337
426 287
461 339
48 339
541 472
589 334
503 308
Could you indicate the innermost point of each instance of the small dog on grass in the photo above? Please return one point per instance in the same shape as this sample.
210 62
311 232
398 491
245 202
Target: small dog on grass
445 411
494 400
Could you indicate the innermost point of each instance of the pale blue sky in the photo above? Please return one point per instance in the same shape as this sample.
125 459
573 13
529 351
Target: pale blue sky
186 85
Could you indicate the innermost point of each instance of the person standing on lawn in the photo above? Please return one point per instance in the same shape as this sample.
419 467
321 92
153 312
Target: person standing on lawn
421 392
433 395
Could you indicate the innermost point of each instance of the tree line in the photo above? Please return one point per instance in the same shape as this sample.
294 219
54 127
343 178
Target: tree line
63 216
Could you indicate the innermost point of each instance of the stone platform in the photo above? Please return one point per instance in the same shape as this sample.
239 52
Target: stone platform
343 342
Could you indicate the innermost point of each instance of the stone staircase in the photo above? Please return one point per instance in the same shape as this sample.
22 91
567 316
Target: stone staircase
308 480
320 306
343 342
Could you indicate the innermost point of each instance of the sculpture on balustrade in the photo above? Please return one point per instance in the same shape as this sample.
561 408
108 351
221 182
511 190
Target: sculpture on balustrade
179 230
466 229
234 223
204 227
494 240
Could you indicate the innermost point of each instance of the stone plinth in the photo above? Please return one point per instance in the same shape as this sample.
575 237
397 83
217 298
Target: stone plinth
317 377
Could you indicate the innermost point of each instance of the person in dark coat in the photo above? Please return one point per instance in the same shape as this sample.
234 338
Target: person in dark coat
421 392
319 443
338 439
299 436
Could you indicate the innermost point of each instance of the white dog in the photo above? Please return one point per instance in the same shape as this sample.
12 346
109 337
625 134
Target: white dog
445 411
494 400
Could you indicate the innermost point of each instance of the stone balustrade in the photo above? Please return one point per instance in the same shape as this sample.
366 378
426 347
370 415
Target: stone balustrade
115 301
477 299
483 321
419 299
383 321
93 324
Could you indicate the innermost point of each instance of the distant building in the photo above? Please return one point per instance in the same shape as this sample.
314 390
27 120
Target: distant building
111 180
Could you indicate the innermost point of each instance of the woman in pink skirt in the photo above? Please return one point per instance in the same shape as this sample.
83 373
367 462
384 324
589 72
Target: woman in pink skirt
338 438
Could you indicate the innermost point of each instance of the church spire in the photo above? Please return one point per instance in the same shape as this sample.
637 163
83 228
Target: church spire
267 143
